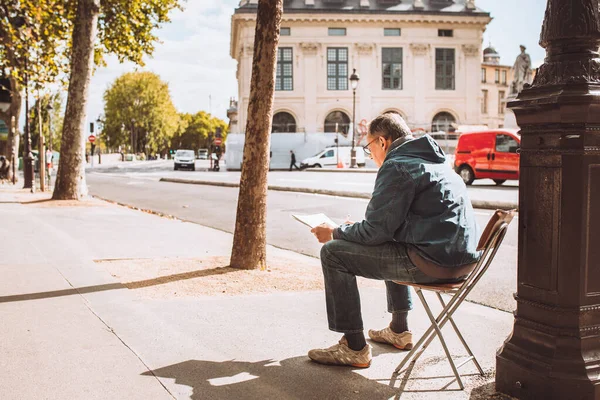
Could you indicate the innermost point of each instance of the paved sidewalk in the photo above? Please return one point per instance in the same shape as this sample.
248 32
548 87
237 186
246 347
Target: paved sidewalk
77 328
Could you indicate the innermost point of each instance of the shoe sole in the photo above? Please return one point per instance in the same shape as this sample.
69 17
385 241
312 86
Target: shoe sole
367 365
407 346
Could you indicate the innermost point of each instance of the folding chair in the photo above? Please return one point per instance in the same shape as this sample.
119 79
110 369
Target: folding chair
490 241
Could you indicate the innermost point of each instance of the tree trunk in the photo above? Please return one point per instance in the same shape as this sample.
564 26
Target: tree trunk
70 179
11 118
250 237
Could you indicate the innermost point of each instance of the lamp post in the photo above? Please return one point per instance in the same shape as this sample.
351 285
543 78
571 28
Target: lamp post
133 144
48 160
19 23
98 122
49 110
27 154
5 97
354 84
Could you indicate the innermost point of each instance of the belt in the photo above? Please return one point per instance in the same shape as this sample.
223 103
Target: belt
437 271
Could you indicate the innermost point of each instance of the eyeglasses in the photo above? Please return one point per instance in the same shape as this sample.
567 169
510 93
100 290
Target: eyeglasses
366 148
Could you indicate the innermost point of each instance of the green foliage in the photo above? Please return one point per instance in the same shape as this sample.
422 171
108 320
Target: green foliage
34 35
195 129
41 46
139 113
52 120
125 27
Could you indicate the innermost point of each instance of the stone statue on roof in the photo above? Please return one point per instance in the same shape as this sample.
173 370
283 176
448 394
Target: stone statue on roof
522 72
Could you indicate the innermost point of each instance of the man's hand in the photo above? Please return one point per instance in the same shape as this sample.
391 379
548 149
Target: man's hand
324 233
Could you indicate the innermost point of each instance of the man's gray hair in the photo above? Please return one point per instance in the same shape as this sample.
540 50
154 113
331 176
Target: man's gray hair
389 125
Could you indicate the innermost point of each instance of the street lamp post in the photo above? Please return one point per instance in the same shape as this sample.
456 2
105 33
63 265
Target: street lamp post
98 122
48 163
354 84
21 23
49 109
27 154
133 138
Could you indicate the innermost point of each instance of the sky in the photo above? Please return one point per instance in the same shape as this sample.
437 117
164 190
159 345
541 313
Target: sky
193 56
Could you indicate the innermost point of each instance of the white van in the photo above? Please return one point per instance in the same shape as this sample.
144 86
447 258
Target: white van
202 154
328 157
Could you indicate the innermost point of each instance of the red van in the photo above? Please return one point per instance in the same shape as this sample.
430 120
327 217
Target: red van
490 154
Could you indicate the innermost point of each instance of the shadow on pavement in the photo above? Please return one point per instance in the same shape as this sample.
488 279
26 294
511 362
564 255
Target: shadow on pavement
292 378
26 201
112 286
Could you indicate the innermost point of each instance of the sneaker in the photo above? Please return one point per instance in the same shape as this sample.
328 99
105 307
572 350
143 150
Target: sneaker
402 341
341 354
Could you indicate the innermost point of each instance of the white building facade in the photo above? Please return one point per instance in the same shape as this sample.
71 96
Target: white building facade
419 58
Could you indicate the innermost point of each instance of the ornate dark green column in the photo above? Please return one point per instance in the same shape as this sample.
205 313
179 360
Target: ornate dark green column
554 349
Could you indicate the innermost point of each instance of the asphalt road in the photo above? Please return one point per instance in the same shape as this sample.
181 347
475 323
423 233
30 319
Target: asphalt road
481 190
216 206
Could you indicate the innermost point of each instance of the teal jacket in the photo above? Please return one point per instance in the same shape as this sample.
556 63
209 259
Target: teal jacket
419 200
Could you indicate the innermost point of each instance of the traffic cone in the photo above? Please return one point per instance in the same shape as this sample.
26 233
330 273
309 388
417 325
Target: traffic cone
340 164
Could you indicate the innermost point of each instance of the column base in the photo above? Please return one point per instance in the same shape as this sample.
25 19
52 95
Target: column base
526 378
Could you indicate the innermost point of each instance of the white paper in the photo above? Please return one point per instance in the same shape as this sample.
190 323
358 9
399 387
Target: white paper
313 220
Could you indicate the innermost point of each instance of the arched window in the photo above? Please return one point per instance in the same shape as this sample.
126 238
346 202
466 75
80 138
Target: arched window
443 122
283 122
341 119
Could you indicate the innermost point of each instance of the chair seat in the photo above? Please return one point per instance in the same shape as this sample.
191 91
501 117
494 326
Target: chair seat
434 287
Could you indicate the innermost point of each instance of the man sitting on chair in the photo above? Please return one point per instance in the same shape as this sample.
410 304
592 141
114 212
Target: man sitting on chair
419 227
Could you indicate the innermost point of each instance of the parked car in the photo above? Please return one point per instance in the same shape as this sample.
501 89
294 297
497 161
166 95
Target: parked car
185 159
328 157
490 154
202 154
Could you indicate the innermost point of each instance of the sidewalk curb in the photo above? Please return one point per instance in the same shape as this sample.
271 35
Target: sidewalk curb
481 204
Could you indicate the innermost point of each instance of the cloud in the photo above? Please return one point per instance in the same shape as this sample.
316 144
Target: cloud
192 57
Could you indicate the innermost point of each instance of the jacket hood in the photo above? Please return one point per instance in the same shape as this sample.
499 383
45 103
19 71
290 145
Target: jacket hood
424 147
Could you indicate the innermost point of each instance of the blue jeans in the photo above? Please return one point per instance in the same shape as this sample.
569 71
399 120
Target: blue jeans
343 261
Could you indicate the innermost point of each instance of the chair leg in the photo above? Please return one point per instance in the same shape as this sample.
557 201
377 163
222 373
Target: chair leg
425 336
460 336
441 337
429 334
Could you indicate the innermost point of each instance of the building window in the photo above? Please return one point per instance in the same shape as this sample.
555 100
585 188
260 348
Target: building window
444 69
501 103
504 77
391 59
337 31
442 122
283 122
497 76
391 31
337 68
285 31
338 118
484 102
483 75
445 33
285 73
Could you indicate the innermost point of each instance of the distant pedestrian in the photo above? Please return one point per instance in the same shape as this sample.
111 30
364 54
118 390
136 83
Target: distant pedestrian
293 161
